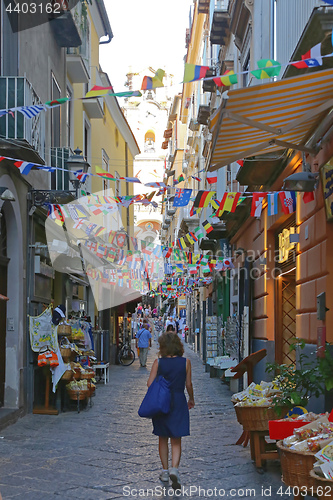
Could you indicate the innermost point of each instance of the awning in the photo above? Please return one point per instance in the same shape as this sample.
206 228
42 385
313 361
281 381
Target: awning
270 117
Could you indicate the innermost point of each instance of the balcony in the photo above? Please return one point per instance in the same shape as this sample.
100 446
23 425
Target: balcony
170 209
220 29
94 106
203 6
186 219
65 28
219 231
194 125
14 92
78 58
209 85
203 114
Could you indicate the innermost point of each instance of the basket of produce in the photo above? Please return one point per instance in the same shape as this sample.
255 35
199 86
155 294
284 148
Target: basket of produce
296 466
256 418
323 487
78 389
68 375
87 374
64 329
79 394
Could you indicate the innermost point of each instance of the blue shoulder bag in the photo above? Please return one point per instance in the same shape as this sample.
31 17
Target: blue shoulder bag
157 400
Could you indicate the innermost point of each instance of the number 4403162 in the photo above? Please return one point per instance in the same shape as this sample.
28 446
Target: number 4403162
319 491
35 8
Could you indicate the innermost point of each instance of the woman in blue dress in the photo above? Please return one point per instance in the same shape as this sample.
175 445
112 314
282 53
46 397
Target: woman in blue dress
176 424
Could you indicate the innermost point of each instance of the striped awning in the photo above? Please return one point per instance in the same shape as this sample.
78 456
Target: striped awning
270 117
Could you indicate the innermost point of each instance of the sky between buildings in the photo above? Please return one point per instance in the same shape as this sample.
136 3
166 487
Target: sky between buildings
147 33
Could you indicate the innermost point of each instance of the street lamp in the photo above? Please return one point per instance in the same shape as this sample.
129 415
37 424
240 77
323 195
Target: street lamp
77 164
301 181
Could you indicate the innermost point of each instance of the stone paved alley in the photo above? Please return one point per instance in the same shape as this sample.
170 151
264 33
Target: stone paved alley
97 453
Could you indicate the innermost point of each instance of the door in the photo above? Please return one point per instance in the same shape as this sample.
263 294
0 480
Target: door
3 327
286 331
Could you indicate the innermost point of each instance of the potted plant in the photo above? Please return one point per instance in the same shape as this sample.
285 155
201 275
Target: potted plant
298 383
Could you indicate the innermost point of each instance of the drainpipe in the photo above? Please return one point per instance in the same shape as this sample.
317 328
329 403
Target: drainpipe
105 20
272 30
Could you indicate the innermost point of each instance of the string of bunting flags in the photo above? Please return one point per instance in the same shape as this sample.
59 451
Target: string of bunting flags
267 68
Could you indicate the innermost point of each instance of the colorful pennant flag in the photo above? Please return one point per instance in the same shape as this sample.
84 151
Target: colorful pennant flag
267 69
272 201
228 78
311 58
203 199
257 202
192 72
156 184
196 178
181 178
24 166
228 203
181 243
56 102
31 111
98 91
156 81
102 173
182 197
192 268
211 177
198 232
307 197
288 201
207 226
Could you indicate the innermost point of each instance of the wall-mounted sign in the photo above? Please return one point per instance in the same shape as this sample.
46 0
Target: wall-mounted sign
327 181
284 244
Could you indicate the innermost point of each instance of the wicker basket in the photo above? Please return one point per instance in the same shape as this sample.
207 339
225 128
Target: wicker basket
78 394
77 374
68 375
88 375
296 466
255 418
323 486
64 330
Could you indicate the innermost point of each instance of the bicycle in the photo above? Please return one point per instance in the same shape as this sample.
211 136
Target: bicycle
126 355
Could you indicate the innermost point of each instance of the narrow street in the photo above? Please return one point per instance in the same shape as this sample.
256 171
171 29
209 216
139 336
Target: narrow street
97 453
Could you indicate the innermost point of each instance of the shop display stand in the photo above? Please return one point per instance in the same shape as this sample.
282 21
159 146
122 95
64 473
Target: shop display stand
46 410
246 366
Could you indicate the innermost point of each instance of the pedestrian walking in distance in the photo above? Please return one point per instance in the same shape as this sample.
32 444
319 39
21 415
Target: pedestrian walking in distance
143 341
176 424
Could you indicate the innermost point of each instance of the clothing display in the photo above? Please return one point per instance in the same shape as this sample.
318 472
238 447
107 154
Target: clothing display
177 422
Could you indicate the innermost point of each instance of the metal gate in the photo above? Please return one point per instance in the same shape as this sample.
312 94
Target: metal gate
288 310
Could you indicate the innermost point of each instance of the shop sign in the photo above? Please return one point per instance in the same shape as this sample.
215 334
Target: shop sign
285 245
182 302
327 181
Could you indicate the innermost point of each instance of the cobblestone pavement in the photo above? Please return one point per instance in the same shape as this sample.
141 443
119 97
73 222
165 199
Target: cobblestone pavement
108 452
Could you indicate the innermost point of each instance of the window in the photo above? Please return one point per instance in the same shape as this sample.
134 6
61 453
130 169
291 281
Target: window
86 139
55 114
246 68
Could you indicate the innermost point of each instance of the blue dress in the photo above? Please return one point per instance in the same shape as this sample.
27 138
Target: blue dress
177 422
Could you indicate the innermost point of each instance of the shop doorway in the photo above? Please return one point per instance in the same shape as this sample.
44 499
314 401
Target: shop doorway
286 318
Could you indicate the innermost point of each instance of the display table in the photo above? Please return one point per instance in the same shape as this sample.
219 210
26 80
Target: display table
105 367
254 420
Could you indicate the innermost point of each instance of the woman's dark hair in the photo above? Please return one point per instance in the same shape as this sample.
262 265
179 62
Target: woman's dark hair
170 328
170 345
